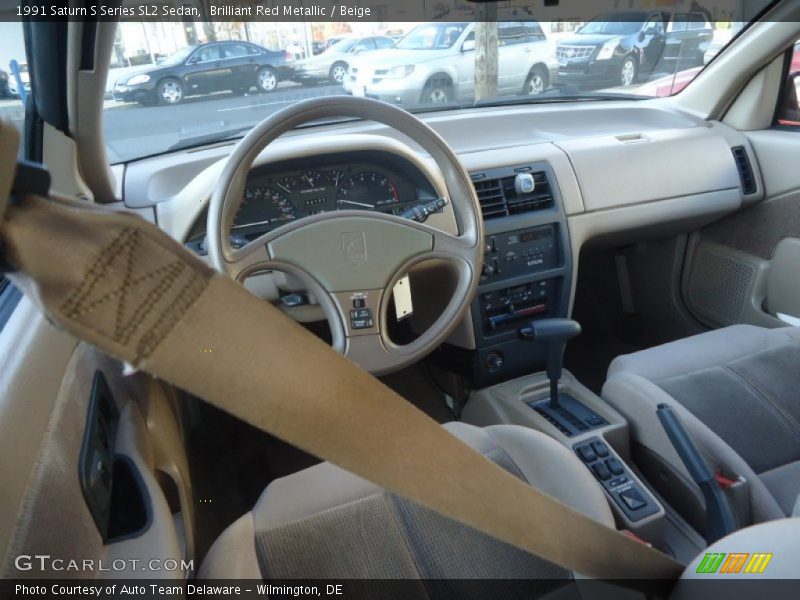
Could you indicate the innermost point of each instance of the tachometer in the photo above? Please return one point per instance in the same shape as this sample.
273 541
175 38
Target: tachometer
264 206
367 190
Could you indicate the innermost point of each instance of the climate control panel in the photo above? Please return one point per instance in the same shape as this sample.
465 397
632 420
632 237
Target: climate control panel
507 309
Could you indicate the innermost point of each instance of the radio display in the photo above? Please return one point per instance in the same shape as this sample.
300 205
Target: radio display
529 236
536 234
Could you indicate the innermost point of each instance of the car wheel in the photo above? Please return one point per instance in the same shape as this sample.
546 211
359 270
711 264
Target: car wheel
170 91
437 92
338 72
267 80
240 91
628 71
536 83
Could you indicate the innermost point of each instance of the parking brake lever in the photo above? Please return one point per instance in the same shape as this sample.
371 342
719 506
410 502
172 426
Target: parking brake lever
719 516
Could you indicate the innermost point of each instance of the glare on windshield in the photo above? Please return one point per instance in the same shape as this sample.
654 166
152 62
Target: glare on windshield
614 25
429 37
342 46
176 58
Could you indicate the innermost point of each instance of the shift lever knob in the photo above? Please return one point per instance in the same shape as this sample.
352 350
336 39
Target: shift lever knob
554 334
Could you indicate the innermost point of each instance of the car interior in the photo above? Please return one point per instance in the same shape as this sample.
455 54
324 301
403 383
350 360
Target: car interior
599 296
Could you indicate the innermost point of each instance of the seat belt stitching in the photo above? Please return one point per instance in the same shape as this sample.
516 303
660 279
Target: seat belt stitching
768 401
81 302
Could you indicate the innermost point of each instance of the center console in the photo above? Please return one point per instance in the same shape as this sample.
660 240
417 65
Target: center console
598 436
527 268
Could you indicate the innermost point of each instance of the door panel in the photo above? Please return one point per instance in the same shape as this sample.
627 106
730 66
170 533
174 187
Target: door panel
208 72
238 63
35 358
512 58
50 428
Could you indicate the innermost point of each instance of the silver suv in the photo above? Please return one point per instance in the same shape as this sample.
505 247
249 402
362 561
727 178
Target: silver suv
435 63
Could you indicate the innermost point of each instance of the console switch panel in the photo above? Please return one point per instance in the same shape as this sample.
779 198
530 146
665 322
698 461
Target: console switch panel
614 476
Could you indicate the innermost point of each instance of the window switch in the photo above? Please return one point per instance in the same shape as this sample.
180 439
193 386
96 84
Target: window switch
614 466
600 449
586 453
601 471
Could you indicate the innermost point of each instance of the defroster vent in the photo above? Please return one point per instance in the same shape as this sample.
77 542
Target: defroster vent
745 170
499 198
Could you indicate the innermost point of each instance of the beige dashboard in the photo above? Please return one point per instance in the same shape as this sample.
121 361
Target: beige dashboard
626 170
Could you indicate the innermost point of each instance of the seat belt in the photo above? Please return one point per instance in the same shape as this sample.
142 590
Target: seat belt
124 286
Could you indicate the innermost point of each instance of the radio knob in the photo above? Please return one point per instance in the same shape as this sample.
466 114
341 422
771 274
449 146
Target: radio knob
488 270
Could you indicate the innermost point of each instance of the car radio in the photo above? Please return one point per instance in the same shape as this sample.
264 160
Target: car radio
517 253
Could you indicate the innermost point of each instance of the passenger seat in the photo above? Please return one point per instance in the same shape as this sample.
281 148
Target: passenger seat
737 391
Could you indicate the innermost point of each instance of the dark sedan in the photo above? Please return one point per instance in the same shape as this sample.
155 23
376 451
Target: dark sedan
204 69
620 48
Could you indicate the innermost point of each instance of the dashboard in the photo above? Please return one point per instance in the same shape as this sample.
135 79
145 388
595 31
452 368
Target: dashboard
603 162
280 193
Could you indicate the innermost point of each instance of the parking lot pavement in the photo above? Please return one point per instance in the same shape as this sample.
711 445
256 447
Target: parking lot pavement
133 131
12 110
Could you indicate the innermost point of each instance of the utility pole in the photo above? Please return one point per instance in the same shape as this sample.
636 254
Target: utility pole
486 63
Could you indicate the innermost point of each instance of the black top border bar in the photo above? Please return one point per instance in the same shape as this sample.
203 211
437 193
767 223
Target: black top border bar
373 10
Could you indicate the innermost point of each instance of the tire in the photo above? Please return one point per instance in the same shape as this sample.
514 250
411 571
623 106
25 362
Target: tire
338 72
628 71
240 91
266 79
437 91
536 83
170 91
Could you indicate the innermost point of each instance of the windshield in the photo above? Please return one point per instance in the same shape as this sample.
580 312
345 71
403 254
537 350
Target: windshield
157 102
428 37
342 46
625 24
176 58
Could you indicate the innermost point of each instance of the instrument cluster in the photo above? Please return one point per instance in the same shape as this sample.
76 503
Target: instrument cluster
274 199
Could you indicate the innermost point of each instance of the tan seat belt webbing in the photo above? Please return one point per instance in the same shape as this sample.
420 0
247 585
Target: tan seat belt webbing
123 285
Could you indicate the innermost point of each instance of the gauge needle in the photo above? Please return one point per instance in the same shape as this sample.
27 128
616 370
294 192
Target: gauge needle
365 205
284 188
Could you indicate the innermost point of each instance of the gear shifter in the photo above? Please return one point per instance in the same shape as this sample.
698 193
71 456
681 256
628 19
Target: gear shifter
567 414
554 334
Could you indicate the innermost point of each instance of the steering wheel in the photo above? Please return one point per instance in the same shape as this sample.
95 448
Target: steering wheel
351 260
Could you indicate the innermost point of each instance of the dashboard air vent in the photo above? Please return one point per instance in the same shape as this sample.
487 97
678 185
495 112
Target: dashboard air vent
745 170
499 198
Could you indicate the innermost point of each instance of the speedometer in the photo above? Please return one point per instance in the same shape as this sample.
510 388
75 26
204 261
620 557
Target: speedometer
367 190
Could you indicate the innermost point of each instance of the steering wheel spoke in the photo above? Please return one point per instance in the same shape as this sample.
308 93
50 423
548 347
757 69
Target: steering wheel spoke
244 261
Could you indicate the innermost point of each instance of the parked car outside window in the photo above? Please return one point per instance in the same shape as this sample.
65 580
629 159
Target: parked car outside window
205 69
435 64
620 49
